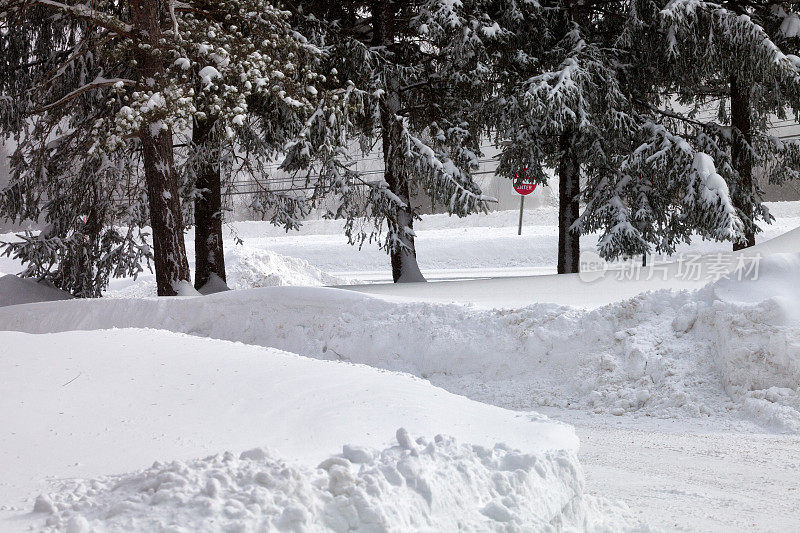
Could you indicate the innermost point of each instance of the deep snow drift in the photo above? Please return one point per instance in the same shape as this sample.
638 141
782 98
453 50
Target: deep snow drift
15 291
85 404
662 354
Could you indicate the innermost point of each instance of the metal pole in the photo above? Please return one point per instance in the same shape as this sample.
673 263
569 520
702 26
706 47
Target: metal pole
521 204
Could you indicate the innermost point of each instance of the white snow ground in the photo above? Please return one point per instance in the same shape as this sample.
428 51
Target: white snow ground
475 246
686 402
692 474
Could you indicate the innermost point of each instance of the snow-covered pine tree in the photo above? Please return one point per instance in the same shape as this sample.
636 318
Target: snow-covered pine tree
559 103
663 185
67 69
255 86
153 63
417 68
727 71
584 95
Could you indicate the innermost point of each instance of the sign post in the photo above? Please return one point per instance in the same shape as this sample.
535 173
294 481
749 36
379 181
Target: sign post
524 186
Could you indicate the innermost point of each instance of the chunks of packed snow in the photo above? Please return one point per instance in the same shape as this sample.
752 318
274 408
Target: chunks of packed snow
208 74
183 62
714 196
15 290
155 102
438 484
213 285
184 288
704 166
790 27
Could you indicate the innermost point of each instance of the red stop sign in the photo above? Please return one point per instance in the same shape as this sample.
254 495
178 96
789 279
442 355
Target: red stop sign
523 185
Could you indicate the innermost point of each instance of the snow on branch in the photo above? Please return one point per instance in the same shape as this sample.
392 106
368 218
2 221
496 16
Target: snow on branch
463 194
665 189
709 192
728 30
98 83
86 12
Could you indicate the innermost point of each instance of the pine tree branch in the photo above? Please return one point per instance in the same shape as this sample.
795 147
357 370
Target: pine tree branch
75 54
82 11
97 84
671 114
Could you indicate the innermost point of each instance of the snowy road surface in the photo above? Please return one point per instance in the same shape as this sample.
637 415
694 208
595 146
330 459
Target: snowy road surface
685 475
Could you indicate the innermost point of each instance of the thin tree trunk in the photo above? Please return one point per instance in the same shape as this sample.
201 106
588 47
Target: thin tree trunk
569 247
740 120
208 247
403 255
169 250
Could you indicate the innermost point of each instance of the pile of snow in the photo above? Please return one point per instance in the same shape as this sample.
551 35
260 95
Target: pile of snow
790 26
415 485
82 405
757 325
15 290
246 268
774 279
249 268
661 354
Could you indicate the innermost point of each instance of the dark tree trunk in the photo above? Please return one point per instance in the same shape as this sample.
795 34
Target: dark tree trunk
569 189
403 256
740 120
169 250
209 252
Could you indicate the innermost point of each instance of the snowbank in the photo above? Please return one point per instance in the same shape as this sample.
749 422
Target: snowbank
251 268
617 283
84 404
756 323
662 354
775 279
15 290
436 485
246 268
